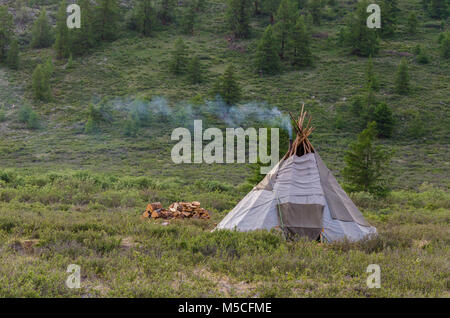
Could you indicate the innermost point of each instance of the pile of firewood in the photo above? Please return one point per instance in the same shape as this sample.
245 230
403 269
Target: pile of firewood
177 210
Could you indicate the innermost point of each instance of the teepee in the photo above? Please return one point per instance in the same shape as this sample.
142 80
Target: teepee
301 197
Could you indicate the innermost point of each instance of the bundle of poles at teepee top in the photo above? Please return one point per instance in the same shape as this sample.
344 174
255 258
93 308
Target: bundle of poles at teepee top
301 144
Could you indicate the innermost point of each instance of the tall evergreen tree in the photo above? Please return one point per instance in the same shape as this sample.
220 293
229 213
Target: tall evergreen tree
107 19
402 78
41 33
62 42
188 19
357 35
41 83
238 17
285 21
315 9
412 23
6 30
371 78
366 163
228 87
389 13
384 118
166 11
301 44
179 57
270 8
267 59
145 17
83 39
12 59
445 44
438 9
194 71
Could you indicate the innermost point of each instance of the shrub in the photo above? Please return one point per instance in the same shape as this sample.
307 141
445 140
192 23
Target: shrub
28 116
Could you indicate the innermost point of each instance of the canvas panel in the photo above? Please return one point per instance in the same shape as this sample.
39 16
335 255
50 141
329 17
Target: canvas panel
269 180
340 205
301 219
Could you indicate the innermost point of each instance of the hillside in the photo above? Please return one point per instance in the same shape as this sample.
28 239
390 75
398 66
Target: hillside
80 195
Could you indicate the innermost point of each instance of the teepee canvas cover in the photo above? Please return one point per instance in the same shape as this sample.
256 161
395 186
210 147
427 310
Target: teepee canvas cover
302 197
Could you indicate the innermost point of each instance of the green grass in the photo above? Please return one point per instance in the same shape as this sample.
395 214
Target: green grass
50 193
93 220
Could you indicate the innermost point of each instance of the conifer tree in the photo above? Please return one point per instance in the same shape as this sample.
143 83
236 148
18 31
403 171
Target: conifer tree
301 44
194 70
62 42
445 45
270 7
41 33
6 30
362 40
285 22
366 164
145 17
371 78
389 9
238 17
188 19
107 18
179 57
227 87
166 11
83 39
41 83
384 118
402 78
12 59
267 59
315 9
412 23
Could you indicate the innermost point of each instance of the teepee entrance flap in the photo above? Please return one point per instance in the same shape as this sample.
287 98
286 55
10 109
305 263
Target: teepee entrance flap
301 219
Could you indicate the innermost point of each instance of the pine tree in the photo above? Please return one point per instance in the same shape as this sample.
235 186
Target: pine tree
439 9
41 83
12 59
267 59
166 11
107 17
270 7
315 9
41 33
83 39
145 17
402 78
412 23
238 17
362 40
371 78
227 87
6 30
285 22
301 44
188 19
421 54
179 57
62 42
366 164
445 45
384 118
389 9
194 70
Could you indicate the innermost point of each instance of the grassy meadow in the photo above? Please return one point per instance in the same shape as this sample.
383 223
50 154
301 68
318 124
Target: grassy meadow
67 197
